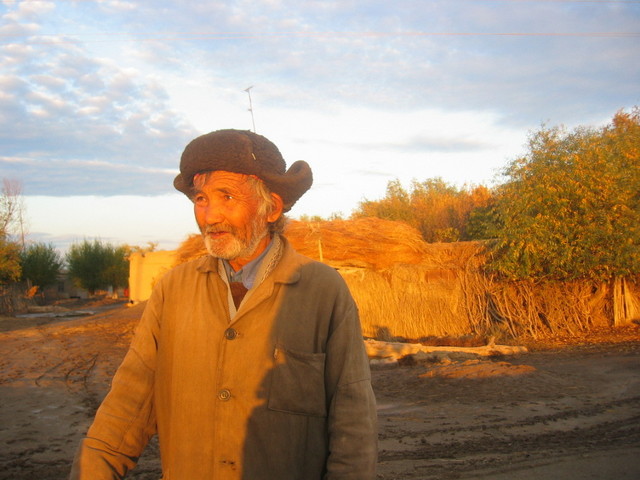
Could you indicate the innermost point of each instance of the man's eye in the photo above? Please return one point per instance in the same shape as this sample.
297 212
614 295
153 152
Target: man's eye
199 199
228 197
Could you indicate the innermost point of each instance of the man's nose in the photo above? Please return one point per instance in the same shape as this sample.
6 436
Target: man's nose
213 214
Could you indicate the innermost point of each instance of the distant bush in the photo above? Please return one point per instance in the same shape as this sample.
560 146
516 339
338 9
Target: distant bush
41 264
95 265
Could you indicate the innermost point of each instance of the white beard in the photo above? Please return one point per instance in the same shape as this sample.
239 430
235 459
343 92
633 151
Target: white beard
236 246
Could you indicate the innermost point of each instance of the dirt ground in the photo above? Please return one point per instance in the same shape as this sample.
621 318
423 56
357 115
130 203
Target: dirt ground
567 409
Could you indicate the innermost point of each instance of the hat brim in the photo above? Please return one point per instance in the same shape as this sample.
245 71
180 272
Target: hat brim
290 186
247 153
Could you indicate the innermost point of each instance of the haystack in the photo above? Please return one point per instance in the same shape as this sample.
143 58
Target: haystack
192 247
366 243
403 286
407 288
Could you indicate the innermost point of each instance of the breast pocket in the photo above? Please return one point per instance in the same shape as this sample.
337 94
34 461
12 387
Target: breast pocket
297 383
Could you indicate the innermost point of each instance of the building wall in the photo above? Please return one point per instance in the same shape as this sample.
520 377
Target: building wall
145 269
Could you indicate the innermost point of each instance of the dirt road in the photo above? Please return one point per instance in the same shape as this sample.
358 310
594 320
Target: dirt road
577 415
554 414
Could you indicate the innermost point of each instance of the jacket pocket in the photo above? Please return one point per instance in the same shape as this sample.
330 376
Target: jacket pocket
297 383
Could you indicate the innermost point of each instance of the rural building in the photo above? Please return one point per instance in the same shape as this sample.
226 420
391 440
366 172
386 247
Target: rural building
145 269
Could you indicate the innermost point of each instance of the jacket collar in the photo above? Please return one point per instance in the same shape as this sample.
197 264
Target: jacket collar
287 270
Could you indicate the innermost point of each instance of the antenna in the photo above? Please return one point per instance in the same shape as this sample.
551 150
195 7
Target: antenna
248 90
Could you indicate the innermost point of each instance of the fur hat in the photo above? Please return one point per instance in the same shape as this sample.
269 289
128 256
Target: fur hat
242 151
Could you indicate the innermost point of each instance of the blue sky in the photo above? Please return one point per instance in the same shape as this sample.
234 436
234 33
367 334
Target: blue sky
99 98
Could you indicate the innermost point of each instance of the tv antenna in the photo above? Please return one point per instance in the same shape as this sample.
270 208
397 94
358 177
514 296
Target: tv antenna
253 122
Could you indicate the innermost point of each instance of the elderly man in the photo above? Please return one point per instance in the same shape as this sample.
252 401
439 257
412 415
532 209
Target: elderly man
248 362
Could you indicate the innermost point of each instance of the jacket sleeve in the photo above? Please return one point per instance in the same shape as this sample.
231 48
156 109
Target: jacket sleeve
352 416
125 422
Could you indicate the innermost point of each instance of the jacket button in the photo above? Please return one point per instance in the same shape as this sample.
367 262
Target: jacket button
230 333
224 394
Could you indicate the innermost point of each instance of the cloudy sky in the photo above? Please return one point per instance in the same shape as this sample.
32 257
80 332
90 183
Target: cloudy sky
98 98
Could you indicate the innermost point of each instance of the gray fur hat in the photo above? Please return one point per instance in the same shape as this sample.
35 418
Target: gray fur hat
242 151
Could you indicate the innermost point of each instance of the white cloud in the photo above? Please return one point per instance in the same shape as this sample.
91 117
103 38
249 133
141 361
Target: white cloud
116 6
99 98
71 105
28 11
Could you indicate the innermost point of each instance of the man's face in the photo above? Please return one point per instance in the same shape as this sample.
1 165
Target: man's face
226 209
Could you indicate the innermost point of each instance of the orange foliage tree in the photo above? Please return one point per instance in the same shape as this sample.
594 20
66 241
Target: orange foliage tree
438 210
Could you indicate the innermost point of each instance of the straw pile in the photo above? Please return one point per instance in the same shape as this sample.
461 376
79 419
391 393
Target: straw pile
370 243
402 285
192 247
367 243
406 288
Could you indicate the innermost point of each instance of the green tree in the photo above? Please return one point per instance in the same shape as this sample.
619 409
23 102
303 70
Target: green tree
570 207
95 265
41 264
483 222
117 272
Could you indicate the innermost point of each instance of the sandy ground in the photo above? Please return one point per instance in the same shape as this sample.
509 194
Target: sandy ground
559 412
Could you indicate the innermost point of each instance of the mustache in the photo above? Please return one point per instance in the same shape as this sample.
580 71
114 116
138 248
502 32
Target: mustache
218 228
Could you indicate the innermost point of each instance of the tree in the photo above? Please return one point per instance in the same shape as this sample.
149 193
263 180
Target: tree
483 222
95 265
12 223
438 210
570 207
117 272
41 264
319 218
9 261
150 247
11 227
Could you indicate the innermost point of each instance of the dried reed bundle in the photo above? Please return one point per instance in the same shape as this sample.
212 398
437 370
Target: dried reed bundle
366 242
193 247
457 255
407 288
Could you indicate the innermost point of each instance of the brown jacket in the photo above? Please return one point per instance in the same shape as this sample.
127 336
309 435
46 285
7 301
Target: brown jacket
282 391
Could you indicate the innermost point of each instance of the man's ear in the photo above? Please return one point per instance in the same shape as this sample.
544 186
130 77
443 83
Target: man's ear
276 210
